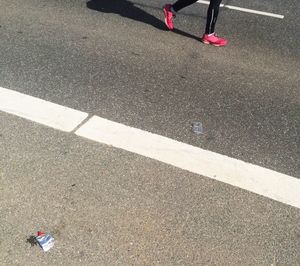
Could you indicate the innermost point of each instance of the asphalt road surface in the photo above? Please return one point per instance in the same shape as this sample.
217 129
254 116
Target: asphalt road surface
116 60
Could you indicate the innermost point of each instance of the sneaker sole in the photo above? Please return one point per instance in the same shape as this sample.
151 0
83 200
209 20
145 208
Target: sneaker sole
213 44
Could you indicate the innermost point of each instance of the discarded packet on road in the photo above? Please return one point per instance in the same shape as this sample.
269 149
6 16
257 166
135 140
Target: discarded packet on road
46 241
197 128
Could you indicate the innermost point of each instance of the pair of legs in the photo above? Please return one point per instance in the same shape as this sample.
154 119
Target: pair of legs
212 14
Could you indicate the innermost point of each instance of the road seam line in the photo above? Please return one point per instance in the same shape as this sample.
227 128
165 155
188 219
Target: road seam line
81 123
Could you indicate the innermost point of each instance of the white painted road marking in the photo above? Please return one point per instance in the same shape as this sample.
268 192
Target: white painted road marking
40 111
245 10
265 182
244 175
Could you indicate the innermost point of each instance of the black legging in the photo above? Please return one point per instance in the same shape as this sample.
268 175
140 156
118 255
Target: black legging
212 12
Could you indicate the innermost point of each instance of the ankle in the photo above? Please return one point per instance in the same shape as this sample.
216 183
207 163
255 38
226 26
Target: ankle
172 10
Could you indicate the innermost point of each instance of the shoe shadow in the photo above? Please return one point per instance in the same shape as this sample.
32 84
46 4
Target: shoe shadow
127 9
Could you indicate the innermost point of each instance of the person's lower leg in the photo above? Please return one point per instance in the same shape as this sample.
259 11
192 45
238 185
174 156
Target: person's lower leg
212 15
180 4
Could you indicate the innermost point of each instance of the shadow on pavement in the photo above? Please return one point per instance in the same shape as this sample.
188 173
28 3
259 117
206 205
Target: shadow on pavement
127 9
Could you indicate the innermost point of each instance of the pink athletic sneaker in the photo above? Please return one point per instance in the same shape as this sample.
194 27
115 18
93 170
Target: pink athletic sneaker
169 16
214 40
